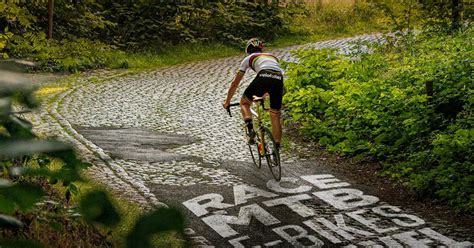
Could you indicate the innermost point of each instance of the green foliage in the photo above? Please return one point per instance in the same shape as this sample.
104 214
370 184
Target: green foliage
72 19
378 104
156 23
12 17
158 221
340 15
92 34
446 15
151 24
4 38
84 54
19 196
326 19
399 15
18 145
15 16
441 15
63 55
19 244
96 207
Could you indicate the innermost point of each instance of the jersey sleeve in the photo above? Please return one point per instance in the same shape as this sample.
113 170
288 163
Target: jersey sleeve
244 66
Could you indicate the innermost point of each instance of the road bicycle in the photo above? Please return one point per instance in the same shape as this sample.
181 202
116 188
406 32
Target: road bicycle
264 145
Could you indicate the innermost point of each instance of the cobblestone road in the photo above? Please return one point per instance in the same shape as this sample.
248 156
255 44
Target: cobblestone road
163 136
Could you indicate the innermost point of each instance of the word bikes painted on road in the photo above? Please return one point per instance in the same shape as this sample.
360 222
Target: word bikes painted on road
354 219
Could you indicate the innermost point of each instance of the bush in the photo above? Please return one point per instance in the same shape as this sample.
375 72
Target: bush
140 25
345 17
63 55
380 105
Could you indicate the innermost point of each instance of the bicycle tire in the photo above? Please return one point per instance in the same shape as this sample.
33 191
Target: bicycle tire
272 155
253 148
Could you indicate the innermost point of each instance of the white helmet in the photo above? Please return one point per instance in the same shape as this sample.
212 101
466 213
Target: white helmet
254 45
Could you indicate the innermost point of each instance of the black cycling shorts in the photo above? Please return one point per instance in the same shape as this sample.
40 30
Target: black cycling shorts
270 82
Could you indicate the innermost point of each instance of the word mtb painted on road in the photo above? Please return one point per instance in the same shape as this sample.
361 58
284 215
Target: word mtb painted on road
344 216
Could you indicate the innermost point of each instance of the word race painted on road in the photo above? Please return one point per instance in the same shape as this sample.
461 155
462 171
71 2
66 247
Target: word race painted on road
379 224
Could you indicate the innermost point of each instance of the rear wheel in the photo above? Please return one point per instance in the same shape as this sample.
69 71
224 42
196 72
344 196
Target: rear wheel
272 155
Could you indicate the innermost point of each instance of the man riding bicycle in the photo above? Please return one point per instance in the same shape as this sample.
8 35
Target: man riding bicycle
269 80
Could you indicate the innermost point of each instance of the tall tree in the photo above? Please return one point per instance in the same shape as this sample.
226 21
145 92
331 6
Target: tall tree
449 11
50 18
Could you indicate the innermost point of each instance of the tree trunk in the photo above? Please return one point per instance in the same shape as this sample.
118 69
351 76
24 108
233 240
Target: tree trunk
409 16
429 90
456 6
50 18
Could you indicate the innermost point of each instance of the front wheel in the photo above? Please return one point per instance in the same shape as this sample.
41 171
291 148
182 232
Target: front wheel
254 151
272 154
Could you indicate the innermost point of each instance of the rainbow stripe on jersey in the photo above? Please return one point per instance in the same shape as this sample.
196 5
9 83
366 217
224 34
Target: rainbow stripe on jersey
255 57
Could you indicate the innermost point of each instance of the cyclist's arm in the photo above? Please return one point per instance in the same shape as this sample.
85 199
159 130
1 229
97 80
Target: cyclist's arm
233 87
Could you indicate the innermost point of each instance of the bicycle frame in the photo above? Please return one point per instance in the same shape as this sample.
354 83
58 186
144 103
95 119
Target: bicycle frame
263 150
258 114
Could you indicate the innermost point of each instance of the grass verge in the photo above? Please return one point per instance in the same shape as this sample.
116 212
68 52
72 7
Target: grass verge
172 56
55 222
130 212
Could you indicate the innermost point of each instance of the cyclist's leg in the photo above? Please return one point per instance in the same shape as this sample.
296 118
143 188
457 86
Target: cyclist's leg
245 103
247 116
245 108
276 98
254 89
275 117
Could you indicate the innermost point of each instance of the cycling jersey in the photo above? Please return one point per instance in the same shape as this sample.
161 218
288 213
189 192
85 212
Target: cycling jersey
260 61
269 78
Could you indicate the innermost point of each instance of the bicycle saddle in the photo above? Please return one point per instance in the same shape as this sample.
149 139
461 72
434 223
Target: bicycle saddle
259 98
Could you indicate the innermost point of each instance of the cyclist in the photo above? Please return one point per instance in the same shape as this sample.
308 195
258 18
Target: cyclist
269 80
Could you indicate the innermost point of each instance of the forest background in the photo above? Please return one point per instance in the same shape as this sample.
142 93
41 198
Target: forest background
407 104
70 35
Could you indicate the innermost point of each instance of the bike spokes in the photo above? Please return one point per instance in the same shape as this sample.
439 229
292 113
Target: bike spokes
272 155
254 151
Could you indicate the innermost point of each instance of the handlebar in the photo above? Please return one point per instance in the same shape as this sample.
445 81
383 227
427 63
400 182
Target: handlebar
232 105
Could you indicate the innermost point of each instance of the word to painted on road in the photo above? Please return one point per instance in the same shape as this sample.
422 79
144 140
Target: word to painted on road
377 224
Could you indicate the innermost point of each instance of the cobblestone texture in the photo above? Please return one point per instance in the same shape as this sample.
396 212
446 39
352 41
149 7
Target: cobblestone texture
184 99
